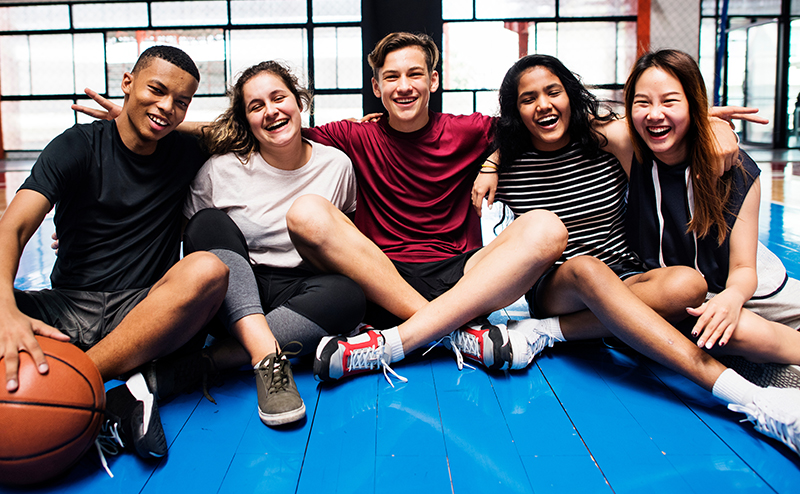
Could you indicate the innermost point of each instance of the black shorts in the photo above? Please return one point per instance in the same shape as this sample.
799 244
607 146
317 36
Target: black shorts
623 269
86 317
430 279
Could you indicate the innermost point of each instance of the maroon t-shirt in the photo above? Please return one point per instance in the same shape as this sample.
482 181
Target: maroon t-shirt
414 188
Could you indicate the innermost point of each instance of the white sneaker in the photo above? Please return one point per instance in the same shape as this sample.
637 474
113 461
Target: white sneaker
535 335
775 413
489 344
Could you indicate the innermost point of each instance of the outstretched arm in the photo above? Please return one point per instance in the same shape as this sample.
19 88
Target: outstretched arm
620 144
18 223
113 110
729 113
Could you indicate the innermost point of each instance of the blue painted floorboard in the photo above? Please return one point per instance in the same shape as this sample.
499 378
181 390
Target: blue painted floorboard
583 418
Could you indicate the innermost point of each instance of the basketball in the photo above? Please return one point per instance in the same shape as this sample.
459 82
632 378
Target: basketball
52 419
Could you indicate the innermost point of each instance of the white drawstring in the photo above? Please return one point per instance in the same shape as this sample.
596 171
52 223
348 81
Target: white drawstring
690 199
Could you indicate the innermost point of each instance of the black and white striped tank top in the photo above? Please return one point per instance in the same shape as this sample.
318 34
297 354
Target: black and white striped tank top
587 194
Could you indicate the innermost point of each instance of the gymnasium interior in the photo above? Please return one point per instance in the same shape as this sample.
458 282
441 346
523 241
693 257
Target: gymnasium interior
587 417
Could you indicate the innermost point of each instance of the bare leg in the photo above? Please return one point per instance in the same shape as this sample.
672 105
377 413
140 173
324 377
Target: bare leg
684 285
762 341
326 238
177 306
494 277
586 281
253 333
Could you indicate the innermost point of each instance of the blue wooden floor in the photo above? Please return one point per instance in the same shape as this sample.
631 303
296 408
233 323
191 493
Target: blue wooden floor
584 418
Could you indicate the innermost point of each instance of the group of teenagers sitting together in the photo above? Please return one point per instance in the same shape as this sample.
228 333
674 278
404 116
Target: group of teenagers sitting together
359 242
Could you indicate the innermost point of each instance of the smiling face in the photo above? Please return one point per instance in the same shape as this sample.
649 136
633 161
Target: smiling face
660 114
544 108
404 86
156 99
273 113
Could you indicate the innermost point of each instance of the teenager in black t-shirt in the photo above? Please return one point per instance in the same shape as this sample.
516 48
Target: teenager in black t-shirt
118 289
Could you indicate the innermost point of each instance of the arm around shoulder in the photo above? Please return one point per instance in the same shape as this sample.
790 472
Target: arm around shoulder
619 141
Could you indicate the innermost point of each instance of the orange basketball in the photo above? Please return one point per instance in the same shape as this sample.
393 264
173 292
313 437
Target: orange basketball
52 419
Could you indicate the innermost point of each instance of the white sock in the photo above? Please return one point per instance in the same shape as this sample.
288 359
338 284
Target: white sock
733 388
391 338
532 328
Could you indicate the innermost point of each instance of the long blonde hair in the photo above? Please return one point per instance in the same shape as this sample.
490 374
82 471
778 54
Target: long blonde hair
230 132
711 192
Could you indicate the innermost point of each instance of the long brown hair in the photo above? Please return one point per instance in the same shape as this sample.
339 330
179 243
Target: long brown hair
230 132
710 192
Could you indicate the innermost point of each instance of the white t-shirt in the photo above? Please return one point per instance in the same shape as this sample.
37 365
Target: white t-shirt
257 197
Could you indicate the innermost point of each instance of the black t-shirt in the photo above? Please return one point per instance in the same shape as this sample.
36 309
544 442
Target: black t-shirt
117 214
678 247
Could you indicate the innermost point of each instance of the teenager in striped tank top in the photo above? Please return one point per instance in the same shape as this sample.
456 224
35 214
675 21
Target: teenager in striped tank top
550 122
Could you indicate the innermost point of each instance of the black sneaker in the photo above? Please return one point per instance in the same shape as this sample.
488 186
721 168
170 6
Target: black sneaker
279 401
133 419
173 375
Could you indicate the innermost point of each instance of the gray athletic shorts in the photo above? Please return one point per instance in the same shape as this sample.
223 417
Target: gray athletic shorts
86 317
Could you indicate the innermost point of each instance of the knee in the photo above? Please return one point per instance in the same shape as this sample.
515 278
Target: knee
205 275
687 287
207 228
587 272
543 231
309 219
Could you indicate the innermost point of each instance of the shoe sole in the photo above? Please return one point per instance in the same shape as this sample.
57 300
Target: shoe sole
282 418
764 375
320 373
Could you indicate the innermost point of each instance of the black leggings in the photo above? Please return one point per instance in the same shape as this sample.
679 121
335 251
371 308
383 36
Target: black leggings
333 302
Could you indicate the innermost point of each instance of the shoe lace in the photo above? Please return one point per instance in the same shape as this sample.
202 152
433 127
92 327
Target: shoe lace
280 373
454 347
766 422
371 358
280 377
108 442
212 368
544 340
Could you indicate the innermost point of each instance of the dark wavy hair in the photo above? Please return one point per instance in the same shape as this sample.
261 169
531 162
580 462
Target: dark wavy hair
230 132
511 135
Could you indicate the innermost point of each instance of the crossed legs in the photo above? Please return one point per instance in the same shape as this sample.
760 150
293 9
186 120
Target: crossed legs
494 277
173 311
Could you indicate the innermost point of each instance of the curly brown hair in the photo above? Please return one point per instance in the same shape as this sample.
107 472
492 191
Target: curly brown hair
230 132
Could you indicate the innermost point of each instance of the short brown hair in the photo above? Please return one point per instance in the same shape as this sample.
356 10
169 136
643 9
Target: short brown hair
396 41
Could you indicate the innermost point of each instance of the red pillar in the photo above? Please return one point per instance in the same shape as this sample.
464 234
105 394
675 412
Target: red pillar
643 28
521 28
